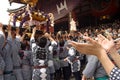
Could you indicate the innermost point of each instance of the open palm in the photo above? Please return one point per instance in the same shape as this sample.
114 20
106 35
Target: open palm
91 48
107 44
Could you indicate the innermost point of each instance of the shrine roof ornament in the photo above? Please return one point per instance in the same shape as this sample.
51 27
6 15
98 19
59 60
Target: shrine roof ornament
42 11
59 8
31 2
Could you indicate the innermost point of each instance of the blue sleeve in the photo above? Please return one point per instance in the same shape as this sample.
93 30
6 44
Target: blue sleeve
1 41
90 67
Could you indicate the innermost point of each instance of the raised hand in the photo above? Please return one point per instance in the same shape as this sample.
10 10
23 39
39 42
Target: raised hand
47 35
107 44
17 31
9 27
34 29
91 48
33 32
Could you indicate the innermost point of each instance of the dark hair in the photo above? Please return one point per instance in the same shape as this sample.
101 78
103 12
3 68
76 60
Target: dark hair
5 27
61 43
27 37
13 28
71 37
32 26
22 30
39 32
42 41
23 46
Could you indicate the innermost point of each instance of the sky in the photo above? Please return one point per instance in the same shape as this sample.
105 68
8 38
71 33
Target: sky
4 5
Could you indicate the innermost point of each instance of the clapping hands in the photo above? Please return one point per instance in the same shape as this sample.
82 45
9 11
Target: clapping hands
94 47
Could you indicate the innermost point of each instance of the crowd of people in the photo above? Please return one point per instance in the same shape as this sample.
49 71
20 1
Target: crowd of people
46 56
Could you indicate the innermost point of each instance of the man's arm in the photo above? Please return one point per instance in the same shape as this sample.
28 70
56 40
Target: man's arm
53 42
115 56
18 35
9 29
106 62
32 39
23 36
94 48
2 39
33 32
49 37
110 47
9 32
114 53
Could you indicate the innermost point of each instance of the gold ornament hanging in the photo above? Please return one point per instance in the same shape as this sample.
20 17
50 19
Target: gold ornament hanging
32 3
